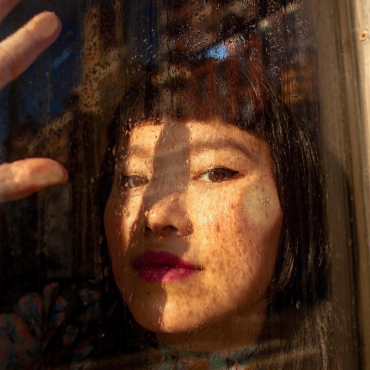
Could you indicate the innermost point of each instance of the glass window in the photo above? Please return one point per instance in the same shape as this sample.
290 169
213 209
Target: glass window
183 185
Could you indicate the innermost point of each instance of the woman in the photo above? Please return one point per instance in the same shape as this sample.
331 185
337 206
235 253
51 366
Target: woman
215 221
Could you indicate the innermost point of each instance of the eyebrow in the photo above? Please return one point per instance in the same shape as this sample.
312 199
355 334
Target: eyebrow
134 151
197 147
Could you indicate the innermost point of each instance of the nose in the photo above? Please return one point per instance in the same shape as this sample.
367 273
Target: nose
167 217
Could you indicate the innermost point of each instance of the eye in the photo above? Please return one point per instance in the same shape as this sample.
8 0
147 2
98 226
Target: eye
217 175
132 181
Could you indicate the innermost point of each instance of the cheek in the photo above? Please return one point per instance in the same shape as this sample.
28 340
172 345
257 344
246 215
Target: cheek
114 232
239 231
112 221
259 227
120 222
236 213
120 218
261 204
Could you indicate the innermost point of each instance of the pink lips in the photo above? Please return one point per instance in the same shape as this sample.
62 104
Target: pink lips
163 267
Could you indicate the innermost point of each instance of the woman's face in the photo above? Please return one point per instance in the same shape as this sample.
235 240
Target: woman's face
193 223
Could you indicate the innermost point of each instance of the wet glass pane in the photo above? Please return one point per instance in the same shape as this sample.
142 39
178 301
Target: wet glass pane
179 197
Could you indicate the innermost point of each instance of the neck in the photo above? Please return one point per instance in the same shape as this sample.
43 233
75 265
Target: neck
236 332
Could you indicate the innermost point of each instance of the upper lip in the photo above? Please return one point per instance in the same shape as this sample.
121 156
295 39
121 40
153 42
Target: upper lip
162 259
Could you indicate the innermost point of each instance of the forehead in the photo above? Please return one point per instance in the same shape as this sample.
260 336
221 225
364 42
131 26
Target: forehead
191 134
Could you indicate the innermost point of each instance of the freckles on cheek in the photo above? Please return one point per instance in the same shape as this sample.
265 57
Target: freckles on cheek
212 210
260 206
217 227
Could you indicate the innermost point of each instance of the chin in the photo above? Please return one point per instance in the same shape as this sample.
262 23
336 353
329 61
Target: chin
160 324
177 321
162 320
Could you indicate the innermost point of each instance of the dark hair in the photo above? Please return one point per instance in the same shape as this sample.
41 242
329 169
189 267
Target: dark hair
296 333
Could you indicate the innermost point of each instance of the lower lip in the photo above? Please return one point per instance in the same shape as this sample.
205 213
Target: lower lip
154 274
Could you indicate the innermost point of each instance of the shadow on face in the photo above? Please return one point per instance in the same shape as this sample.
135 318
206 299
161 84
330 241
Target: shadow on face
193 224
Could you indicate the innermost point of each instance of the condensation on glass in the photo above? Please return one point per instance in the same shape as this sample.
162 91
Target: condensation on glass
213 214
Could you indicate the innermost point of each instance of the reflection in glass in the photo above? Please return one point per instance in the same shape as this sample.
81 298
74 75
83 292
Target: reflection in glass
189 131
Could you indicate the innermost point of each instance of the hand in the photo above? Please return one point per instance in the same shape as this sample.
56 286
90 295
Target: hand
17 52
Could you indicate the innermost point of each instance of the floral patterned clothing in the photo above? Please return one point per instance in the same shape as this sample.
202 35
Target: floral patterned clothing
165 358
46 320
64 327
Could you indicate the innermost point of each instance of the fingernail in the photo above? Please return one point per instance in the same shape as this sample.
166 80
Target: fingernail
45 25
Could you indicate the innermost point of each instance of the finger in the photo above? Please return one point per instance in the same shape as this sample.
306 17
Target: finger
22 178
6 6
19 50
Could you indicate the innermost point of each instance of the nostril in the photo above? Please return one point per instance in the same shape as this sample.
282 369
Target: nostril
157 229
170 228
